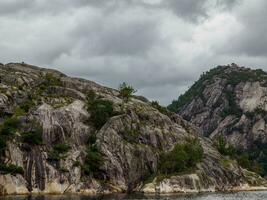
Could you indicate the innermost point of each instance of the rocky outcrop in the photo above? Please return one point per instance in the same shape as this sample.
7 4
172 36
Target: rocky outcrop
130 142
230 101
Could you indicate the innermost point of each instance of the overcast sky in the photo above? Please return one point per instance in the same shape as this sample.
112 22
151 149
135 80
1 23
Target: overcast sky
159 46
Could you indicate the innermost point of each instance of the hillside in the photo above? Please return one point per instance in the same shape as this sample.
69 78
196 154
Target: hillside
68 135
229 103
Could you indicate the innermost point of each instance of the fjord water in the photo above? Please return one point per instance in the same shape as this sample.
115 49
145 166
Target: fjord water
216 196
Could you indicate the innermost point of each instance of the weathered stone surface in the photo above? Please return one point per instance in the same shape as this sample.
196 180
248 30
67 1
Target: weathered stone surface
130 142
249 94
231 101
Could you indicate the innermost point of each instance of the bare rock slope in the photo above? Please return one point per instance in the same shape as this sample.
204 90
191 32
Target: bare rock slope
68 135
230 102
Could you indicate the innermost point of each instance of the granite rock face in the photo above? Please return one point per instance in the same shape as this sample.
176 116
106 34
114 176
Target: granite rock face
230 102
130 142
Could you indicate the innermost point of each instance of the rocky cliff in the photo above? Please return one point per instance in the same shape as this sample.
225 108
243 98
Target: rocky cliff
60 134
229 102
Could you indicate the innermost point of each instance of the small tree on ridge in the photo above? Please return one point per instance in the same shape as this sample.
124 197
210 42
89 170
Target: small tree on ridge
126 91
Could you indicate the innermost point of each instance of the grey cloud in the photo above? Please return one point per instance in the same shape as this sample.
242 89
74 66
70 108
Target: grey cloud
13 6
135 37
193 10
28 8
160 47
189 9
251 39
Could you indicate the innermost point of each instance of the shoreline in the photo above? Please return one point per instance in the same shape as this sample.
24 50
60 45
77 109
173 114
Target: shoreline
93 193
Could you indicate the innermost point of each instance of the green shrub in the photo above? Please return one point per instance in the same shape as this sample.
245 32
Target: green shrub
55 156
254 159
258 168
19 112
58 152
257 157
91 97
101 111
226 163
93 161
224 148
244 161
61 148
34 135
27 105
76 164
52 80
250 115
235 78
34 138
260 111
92 139
232 108
49 80
9 127
131 135
7 131
2 144
11 169
248 162
182 157
126 91
160 108
194 149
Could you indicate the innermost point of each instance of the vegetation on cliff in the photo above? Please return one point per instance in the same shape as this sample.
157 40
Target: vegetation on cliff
92 138
100 109
126 91
246 159
183 157
216 103
232 78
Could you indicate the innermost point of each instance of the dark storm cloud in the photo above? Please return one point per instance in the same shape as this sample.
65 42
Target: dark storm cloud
159 46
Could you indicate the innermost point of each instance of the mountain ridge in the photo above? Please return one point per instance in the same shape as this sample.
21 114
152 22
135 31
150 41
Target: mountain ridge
230 102
68 135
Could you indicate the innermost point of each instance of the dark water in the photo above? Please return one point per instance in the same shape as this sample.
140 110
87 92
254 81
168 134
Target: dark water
217 196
